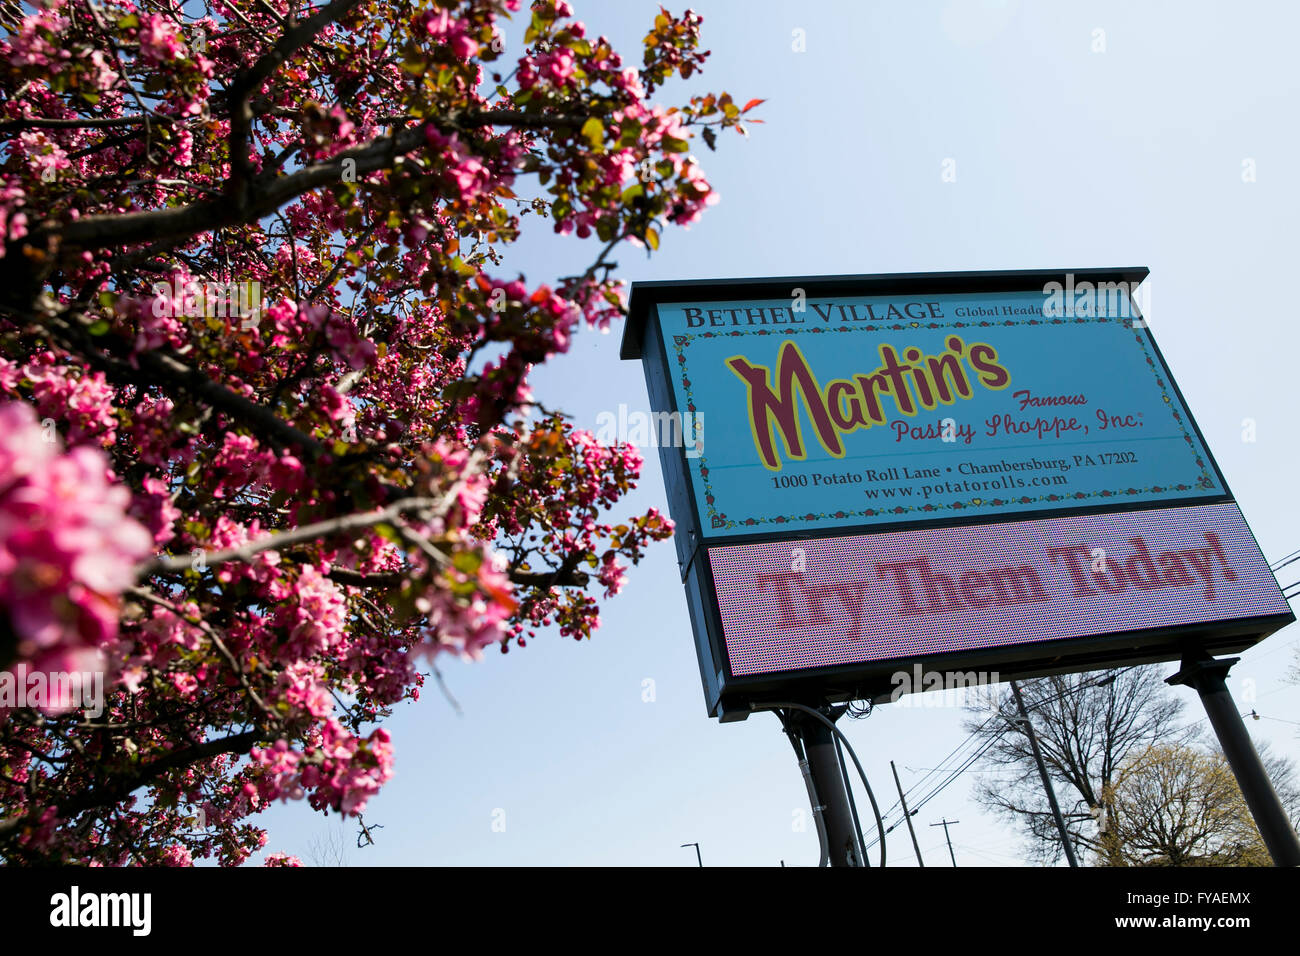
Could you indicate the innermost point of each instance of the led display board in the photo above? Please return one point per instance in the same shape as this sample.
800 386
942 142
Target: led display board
989 471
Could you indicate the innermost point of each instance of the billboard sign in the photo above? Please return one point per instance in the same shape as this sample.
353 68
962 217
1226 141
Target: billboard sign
882 470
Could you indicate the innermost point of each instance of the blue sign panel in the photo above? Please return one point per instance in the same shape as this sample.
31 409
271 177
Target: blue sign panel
816 413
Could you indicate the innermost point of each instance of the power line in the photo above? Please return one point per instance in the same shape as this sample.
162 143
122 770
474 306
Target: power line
1256 658
988 854
1291 558
967 763
1295 723
974 734
940 768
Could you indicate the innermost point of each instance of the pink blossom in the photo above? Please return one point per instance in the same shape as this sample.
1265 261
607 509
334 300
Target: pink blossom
281 859
81 399
316 620
160 40
67 546
9 375
466 625
46 157
154 508
303 685
177 855
612 574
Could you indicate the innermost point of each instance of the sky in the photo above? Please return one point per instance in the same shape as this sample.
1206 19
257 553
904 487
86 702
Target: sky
1081 135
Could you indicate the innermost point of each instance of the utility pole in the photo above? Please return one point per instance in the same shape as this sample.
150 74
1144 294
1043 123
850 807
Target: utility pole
1203 672
1042 772
908 817
697 852
945 824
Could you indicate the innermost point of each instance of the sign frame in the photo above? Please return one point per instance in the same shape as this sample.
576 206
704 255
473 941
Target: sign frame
728 696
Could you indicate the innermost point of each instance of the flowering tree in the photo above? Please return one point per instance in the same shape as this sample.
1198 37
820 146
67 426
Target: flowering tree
267 444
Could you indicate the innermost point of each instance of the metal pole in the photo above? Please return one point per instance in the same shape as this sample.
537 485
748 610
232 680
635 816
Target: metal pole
907 816
698 859
1042 772
1201 671
944 824
828 779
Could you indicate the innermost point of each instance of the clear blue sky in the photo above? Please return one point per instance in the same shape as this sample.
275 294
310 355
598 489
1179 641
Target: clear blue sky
1065 158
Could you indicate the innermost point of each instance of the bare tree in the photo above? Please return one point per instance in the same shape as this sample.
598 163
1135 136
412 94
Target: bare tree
328 848
1087 725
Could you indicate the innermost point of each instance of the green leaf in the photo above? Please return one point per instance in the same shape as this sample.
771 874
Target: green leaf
652 238
458 389
99 327
467 562
594 132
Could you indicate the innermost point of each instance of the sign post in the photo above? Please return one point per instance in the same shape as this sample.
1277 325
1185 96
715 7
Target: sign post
828 779
898 483
1202 672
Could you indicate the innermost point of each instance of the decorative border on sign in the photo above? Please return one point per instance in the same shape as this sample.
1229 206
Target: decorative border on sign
717 519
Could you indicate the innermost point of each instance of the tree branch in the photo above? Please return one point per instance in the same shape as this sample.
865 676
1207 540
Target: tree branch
120 788
384 579
311 532
81 122
164 368
250 80
269 191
